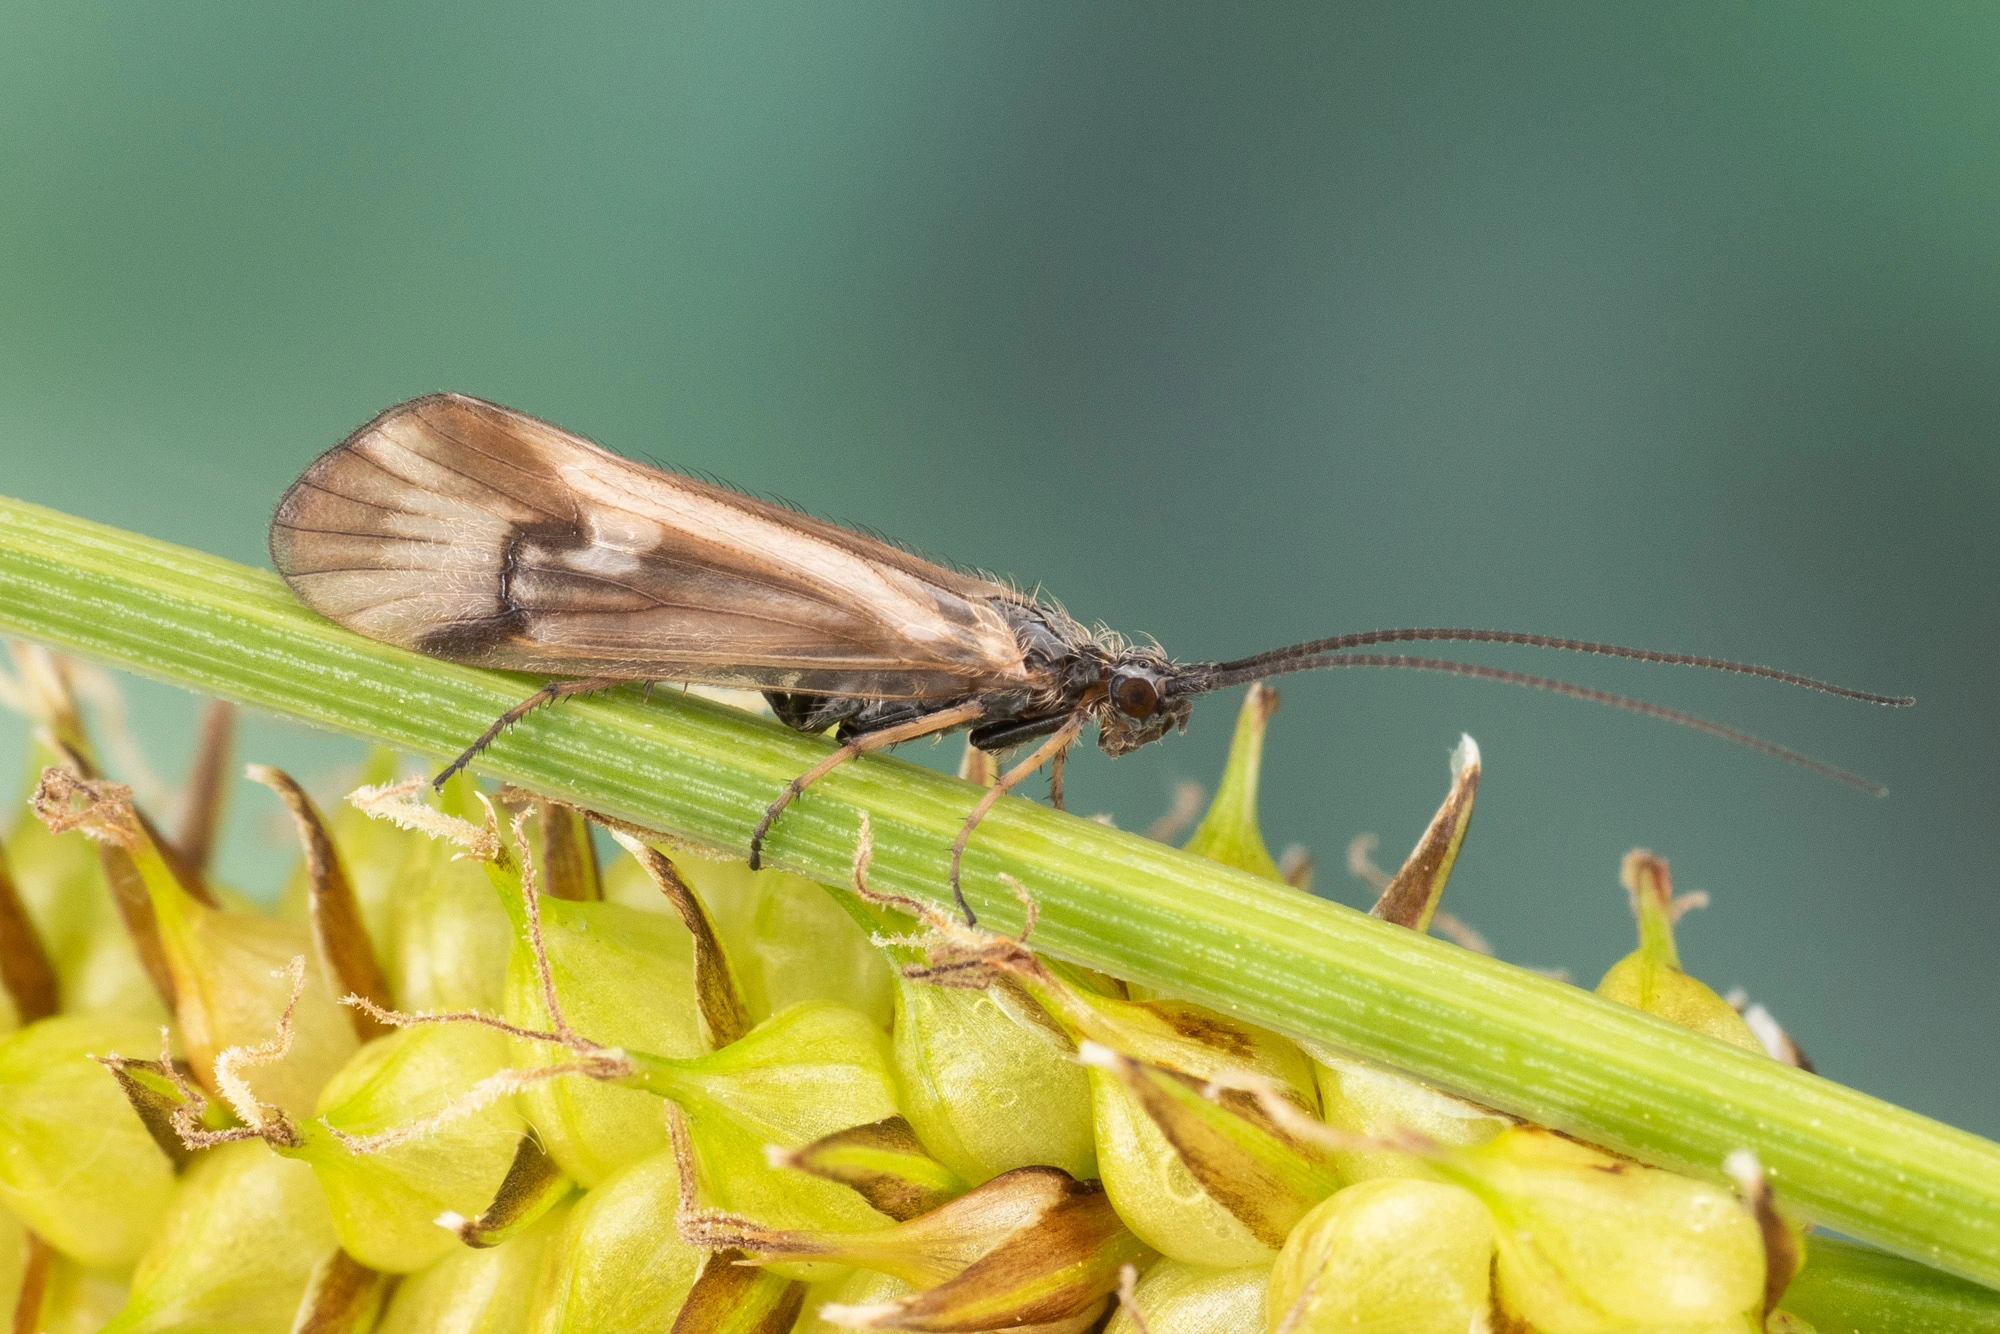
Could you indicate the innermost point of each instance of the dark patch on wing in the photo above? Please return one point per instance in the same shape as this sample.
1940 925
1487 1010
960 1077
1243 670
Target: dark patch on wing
470 641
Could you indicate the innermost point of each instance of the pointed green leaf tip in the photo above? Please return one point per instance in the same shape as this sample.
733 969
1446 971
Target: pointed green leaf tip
1229 833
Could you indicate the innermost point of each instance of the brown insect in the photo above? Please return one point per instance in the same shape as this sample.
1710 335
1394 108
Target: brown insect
478 534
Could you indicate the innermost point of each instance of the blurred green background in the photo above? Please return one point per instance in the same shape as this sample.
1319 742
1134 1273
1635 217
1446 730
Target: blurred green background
1673 325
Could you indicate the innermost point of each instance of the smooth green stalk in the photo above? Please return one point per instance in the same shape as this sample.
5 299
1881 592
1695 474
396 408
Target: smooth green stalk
1110 900
1850 1289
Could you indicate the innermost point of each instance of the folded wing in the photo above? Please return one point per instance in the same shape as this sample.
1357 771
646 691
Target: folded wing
475 533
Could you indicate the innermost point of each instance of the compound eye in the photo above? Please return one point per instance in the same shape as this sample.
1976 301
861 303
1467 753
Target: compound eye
1135 696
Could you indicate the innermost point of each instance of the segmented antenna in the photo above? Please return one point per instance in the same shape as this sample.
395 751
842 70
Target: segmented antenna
1322 653
1297 658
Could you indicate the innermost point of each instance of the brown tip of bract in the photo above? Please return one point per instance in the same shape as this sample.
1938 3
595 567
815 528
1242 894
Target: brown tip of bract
883 1162
339 937
26 969
1644 873
100 809
718 995
1411 898
1782 1256
343 1296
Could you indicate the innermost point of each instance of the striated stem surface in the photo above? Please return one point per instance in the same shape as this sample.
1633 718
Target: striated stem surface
1110 900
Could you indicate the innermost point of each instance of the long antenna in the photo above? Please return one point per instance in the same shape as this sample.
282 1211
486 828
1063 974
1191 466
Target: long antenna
1231 673
1298 657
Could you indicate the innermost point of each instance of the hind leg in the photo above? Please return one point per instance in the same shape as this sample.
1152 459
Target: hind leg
548 694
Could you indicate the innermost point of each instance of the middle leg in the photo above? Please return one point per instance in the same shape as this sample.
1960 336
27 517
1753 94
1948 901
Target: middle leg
942 721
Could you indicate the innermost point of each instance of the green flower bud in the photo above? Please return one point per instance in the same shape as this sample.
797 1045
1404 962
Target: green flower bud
386 1195
241 1239
1149 1182
476 1291
626 978
48 1292
76 1163
800 1076
618 1261
229 969
447 938
1366 1099
1588 1242
787 939
1179 1298
1391 1254
1650 978
1225 1140
990 1082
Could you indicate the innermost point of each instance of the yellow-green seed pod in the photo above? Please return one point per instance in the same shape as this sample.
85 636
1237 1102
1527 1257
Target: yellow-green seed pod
617 1263
447 937
1152 1187
1156 1193
484 1291
1390 1254
1588 1242
1179 1298
241 1239
74 1300
386 1196
76 1163
230 970
806 1073
787 940
1650 978
625 979
990 1083
231 987
1228 1143
1372 1100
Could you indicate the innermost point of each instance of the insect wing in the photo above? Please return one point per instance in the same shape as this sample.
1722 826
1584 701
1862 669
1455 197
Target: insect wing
472 532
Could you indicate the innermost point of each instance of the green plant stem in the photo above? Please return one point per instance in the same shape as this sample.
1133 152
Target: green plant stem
1111 900
1850 1289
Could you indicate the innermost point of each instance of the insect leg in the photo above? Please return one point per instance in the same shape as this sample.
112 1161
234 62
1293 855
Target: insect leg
942 721
1054 746
548 694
